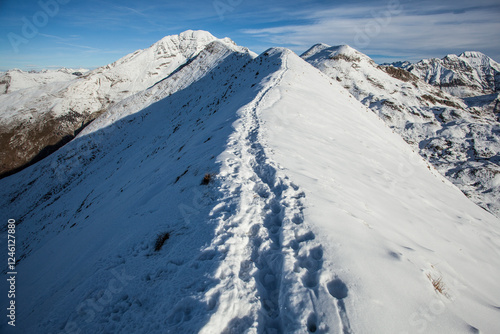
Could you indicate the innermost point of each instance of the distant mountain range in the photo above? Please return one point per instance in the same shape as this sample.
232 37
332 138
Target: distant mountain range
469 74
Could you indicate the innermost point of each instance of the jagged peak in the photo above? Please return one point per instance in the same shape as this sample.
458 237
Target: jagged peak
400 64
466 55
476 57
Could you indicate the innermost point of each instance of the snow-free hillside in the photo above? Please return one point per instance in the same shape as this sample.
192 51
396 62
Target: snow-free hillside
316 218
16 79
462 143
37 119
469 74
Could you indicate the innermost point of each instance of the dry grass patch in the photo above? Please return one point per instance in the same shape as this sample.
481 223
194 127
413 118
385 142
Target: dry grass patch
206 179
438 284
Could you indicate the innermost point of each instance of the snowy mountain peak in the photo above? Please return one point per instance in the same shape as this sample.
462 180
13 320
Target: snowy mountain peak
462 143
469 74
188 41
277 52
473 54
73 100
339 52
186 45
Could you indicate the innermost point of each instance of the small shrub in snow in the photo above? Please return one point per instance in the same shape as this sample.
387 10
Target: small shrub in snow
438 284
206 179
160 240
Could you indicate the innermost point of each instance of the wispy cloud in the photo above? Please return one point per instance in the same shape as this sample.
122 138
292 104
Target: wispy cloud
99 32
411 30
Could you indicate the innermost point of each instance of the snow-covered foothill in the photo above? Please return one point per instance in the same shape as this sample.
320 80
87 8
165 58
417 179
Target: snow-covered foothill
17 79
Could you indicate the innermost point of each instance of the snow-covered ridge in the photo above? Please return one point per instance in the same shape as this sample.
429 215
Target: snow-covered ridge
17 79
29 117
213 55
462 143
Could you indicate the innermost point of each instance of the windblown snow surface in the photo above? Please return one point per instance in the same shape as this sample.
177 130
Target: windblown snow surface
317 218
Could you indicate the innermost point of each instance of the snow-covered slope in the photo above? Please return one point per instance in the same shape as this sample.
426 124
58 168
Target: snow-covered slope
214 54
462 143
16 79
468 74
316 218
32 120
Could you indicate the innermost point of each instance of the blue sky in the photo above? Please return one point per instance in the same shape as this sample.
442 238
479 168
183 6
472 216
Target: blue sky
90 33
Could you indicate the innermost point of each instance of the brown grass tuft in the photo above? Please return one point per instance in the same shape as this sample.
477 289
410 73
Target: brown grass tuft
206 179
438 284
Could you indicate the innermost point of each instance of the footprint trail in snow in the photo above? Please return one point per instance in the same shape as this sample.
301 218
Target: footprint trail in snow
271 263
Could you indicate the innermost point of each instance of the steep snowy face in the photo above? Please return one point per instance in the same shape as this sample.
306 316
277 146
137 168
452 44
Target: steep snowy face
373 208
462 143
143 68
213 55
262 197
467 75
36 121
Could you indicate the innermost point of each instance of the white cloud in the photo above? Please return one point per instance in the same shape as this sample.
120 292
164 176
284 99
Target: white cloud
409 31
